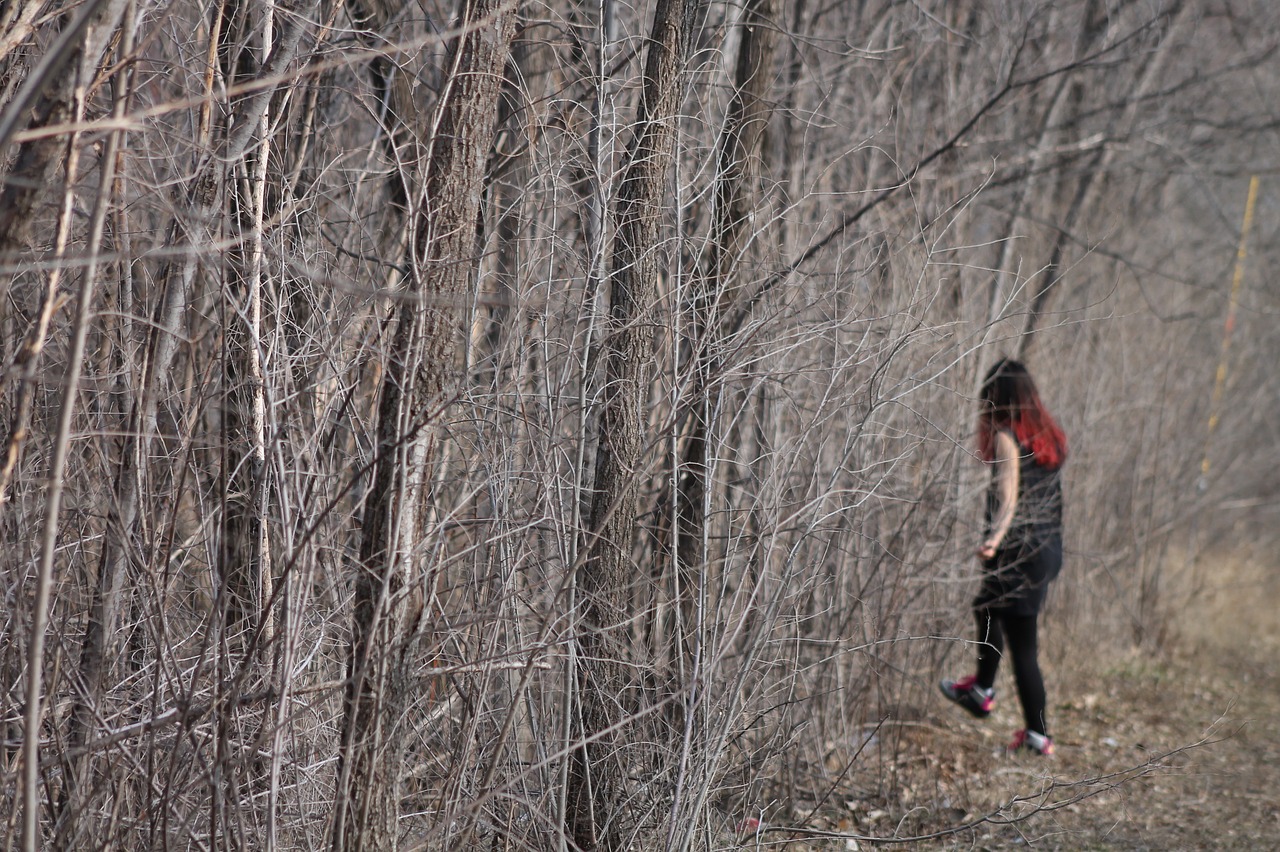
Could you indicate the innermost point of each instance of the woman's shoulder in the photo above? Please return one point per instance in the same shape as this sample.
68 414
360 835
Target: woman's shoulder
1006 437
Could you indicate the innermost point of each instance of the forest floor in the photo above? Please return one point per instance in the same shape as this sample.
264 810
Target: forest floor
1179 752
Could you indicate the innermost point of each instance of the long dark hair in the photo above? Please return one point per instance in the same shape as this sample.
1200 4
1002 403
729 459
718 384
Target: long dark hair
1011 401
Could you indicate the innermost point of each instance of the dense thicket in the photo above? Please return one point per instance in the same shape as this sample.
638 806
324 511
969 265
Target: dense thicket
548 425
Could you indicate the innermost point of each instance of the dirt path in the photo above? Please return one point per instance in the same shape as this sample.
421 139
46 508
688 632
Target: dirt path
1186 750
1176 753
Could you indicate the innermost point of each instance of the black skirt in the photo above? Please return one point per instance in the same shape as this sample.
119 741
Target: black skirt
1015 580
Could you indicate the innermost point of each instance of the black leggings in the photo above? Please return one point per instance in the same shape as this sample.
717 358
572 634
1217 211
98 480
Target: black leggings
995 630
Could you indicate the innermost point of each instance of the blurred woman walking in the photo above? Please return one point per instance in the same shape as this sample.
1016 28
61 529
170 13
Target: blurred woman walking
1022 550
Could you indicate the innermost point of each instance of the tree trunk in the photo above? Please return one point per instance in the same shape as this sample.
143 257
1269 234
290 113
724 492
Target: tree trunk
99 648
1084 190
418 365
599 763
49 92
243 554
740 147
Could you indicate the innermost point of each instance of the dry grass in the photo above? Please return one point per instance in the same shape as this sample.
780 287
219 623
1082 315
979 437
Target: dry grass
1156 750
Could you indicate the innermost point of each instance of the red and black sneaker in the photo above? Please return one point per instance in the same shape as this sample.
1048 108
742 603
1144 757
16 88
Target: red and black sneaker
969 695
1037 744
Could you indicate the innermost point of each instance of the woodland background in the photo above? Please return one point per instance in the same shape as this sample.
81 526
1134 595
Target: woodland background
549 425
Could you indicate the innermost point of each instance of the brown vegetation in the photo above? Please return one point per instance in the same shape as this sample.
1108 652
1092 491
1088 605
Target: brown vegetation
486 424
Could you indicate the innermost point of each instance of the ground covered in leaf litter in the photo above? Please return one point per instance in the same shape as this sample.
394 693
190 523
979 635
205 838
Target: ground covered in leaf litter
1176 753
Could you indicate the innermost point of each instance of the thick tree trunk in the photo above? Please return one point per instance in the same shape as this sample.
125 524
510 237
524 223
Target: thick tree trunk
418 365
740 147
599 763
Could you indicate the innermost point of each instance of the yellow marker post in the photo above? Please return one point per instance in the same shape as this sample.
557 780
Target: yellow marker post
1220 379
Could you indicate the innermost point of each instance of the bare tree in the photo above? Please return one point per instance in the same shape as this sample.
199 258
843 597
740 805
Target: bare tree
717 289
599 765
419 363
495 425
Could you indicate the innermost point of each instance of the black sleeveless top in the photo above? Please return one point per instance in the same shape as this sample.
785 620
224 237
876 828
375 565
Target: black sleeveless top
1037 517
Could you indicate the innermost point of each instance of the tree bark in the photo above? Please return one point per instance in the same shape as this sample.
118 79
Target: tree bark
598 764
415 375
244 555
739 153
52 91
740 149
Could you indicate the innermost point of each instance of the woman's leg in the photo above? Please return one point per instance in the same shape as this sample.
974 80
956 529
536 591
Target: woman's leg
990 647
1020 633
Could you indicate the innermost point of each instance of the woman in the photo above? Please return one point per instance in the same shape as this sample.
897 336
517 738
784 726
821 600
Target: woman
1022 550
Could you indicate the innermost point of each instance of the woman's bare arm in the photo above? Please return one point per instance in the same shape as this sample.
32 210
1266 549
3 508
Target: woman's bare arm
1006 474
